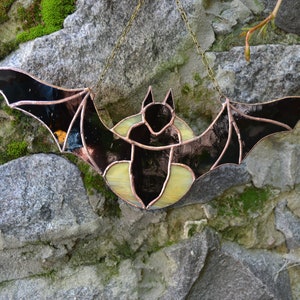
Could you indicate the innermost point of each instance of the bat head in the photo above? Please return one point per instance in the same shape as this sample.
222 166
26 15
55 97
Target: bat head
158 116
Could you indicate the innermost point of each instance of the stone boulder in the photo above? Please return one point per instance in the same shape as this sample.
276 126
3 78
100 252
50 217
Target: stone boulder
61 249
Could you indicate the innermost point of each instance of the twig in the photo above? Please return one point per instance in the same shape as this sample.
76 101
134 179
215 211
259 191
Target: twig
271 17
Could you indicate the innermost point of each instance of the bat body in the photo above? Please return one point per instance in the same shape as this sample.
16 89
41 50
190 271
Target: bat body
152 158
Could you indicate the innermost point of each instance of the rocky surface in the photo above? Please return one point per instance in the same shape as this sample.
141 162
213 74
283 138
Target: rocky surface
235 235
67 251
277 155
245 82
26 212
287 18
214 184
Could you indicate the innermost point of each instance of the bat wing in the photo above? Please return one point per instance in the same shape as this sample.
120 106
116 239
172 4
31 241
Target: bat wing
69 115
235 131
73 121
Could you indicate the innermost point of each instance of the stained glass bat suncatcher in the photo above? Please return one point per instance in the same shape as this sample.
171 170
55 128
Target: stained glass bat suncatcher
152 158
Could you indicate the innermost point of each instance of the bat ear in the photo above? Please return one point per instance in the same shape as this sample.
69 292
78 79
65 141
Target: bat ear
169 99
149 97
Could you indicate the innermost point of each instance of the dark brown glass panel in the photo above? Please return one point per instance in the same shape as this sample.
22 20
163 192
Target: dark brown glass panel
201 153
228 139
158 116
149 169
100 142
19 86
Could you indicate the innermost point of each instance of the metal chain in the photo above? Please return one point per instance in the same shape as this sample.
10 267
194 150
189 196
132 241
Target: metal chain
199 49
109 61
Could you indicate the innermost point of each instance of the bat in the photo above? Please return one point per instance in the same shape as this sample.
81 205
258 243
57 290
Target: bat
149 159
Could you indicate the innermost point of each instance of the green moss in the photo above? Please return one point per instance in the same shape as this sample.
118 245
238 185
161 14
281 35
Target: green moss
197 78
31 34
96 253
55 11
40 18
108 253
89 252
186 89
192 230
226 42
156 245
4 8
30 16
7 47
94 182
250 201
124 251
51 15
240 215
176 61
16 128
197 104
206 4
14 150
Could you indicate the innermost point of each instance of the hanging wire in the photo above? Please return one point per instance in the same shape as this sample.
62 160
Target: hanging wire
110 59
199 49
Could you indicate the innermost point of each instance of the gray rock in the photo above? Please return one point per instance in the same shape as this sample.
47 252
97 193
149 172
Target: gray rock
192 254
41 211
165 274
42 199
191 269
157 43
236 12
76 55
288 16
232 272
215 183
279 164
226 15
246 82
288 224
53 245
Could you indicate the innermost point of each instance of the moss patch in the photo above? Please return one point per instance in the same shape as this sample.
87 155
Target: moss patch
250 201
13 150
16 149
30 16
243 217
4 8
21 135
108 253
49 18
40 18
94 183
197 104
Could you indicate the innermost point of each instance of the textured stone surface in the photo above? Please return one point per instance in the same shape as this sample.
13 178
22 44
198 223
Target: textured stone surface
279 161
46 259
240 274
77 54
175 272
47 202
288 16
52 243
157 43
288 224
215 183
246 82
